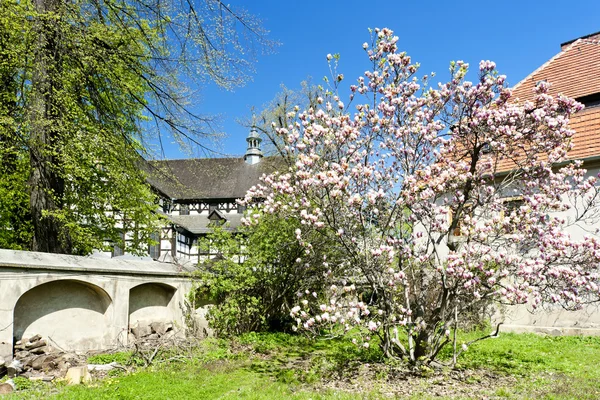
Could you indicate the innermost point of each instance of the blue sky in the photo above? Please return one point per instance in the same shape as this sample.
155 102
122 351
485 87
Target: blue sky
518 35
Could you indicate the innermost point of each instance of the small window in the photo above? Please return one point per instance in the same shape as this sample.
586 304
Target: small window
592 100
117 249
241 209
486 148
154 249
512 204
184 209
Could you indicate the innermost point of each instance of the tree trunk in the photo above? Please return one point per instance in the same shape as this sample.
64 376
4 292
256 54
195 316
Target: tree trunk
46 185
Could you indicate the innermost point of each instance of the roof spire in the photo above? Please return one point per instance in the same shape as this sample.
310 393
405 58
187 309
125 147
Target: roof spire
253 152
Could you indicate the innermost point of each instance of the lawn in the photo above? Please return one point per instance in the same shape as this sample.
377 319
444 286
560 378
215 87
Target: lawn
277 366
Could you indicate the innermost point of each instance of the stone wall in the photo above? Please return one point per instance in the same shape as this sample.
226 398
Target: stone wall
549 320
81 303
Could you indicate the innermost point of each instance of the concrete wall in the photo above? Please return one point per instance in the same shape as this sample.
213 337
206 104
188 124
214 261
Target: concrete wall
152 302
73 314
82 309
551 320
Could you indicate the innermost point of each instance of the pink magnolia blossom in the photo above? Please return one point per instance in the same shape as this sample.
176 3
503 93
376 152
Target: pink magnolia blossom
441 197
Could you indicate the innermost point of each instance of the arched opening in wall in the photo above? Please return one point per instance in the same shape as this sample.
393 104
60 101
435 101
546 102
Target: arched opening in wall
150 303
71 314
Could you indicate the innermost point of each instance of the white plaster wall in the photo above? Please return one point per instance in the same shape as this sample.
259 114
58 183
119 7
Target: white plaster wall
552 320
588 225
70 313
151 302
75 317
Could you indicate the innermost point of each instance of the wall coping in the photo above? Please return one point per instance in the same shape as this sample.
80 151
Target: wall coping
29 260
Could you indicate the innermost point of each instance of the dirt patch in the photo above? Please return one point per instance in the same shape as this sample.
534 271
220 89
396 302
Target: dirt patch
390 382
397 381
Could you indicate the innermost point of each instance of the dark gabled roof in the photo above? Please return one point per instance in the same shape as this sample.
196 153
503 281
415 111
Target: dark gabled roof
216 215
208 178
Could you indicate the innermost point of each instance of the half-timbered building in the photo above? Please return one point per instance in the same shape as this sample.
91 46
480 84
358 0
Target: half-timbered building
196 193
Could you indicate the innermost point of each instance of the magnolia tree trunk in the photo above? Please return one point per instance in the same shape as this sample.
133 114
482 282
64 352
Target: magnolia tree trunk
45 183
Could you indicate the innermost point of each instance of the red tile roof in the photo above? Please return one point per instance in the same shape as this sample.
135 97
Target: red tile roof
574 72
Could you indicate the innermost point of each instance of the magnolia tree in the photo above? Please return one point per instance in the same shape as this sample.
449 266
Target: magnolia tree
412 183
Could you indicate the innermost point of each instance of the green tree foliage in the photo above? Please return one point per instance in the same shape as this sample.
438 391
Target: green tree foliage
15 222
254 275
86 85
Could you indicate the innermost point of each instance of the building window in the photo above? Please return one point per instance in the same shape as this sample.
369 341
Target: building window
512 204
118 250
154 249
212 207
591 100
486 148
184 209
241 209
184 244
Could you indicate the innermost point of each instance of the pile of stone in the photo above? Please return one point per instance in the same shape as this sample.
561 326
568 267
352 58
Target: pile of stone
142 332
34 358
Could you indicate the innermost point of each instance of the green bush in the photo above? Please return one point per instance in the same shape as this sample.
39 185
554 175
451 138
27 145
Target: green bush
255 275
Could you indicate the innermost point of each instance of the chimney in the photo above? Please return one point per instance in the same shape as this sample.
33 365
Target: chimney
253 152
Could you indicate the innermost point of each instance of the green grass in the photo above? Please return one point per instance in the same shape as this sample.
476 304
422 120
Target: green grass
526 353
213 381
561 367
278 366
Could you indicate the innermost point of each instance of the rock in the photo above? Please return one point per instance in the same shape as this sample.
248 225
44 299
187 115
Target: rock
77 375
153 336
63 366
48 364
158 327
22 354
102 367
41 350
34 338
6 388
20 345
34 345
38 361
141 331
14 368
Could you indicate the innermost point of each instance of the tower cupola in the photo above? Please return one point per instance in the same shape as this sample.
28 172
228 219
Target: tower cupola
253 152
